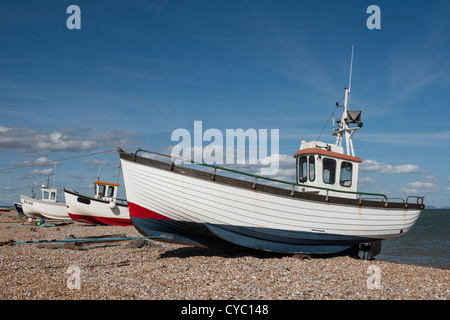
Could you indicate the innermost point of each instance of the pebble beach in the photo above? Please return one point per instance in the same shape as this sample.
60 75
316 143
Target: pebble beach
151 270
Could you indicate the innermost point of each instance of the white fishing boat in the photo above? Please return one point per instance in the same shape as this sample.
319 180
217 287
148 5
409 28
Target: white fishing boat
320 213
28 207
47 207
103 208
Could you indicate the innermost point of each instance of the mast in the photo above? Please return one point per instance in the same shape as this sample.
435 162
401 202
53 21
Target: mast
100 168
54 176
118 174
351 65
346 119
348 139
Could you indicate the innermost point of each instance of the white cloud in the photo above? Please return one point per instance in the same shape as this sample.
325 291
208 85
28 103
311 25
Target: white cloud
42 161
37 142
96 162
408 138
366 182
428 184
375 166
40 172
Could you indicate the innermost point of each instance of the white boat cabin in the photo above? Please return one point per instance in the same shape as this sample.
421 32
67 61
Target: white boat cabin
326 165
105 190
49 194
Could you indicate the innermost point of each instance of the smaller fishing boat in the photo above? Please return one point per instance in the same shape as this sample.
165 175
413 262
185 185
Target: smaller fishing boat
30 210
47 207
19 209
103 208
5 209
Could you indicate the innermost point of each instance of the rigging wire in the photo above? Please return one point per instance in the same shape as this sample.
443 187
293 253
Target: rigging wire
337 106
51 161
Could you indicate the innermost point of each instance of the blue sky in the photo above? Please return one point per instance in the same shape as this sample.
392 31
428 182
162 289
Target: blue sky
138 70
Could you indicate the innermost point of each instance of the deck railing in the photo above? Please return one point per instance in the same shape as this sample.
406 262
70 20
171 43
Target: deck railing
383 197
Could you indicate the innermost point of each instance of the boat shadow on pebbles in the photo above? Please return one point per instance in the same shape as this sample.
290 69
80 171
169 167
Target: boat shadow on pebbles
190 252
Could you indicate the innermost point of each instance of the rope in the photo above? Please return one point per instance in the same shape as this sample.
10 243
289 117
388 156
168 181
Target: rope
12 242
51 161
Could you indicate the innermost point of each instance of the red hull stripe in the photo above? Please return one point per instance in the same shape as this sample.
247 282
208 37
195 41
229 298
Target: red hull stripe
137 211
101 220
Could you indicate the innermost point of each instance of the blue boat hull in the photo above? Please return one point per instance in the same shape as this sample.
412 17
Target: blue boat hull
19 208
264 239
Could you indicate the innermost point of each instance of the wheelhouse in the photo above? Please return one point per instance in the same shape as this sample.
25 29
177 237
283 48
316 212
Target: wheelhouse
49 194
325 166
105 190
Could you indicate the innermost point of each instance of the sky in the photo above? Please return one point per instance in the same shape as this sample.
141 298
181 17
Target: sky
138 70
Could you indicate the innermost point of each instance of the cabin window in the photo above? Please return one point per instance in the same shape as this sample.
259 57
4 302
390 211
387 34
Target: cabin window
346 174
101 190
312 169
110 192
53 195
45 195
329 170
303 171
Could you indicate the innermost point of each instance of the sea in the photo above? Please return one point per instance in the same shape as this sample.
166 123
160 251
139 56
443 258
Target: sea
427 244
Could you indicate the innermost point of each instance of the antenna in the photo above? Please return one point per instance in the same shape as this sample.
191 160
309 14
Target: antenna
343 125
33 194
118 174
351 66
98 174
54 176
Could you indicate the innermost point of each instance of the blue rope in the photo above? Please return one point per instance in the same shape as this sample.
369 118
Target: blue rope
85 240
